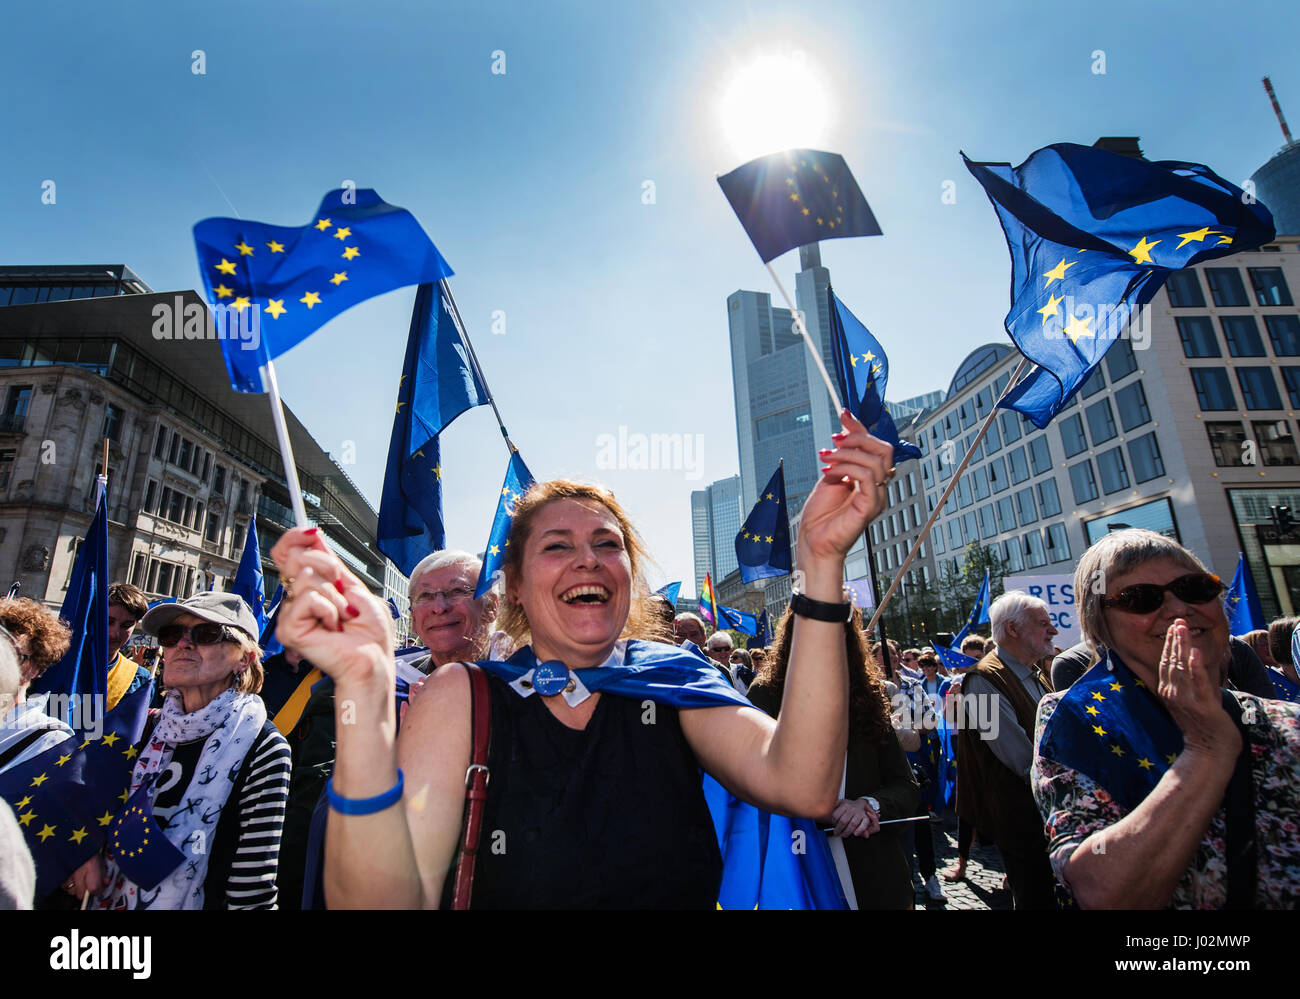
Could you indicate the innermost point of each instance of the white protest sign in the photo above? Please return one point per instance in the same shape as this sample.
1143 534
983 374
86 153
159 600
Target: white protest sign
1058 593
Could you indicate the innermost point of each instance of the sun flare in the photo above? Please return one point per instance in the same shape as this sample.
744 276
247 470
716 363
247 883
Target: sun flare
776 102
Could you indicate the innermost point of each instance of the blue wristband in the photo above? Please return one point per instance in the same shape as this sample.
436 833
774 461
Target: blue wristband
364 806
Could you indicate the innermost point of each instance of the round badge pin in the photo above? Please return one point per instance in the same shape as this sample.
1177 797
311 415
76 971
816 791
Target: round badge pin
550 678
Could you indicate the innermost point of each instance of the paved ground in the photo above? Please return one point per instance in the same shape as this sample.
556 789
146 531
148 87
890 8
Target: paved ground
982 888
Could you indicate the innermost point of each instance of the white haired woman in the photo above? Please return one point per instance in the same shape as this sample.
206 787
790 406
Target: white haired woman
215 768
595 805
1159 787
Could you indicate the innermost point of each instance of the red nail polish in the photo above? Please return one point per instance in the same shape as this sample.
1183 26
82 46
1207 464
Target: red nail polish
338 585
839 437
353 612
826 468
825 451
312 531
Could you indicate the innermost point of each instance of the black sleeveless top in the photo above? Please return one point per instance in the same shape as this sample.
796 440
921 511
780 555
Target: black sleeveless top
610 817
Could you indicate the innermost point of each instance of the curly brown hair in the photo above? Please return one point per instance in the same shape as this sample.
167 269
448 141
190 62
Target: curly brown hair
645 620
47 637
868 705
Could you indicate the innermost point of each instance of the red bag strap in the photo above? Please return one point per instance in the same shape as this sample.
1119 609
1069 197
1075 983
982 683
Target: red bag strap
476 781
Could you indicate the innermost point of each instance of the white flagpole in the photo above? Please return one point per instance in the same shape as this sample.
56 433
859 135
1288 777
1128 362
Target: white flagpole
286 449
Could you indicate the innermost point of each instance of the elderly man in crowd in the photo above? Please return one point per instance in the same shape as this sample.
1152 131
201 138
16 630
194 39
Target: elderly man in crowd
452 624
995 749
689 628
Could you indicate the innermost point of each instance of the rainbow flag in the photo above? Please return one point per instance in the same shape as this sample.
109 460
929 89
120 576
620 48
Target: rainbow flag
708 602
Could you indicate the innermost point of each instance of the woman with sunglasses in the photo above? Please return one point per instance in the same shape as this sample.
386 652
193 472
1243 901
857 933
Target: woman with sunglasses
216 769
1159 787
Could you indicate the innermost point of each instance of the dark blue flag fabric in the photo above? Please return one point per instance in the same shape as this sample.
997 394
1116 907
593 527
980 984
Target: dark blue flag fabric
276 285
1242 602
81 676
248 578
763 544
769 861
797 197
669 593
1109 726
140 847
764 636
392 609
270 644
1093 236
862 372
979 613
517 481
1283 688
438 383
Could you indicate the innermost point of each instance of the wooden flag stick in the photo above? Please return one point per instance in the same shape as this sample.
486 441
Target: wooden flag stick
952 484
104 466
286 449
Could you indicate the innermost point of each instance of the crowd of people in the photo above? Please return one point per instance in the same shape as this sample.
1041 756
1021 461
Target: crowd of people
1152 765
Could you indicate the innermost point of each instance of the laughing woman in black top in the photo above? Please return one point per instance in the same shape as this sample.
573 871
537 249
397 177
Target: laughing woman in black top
594 799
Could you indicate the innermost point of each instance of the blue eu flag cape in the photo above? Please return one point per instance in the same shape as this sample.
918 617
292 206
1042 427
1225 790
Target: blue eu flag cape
862 371
288 281
763 544
769 861
796 197
1242 601
248 579
979 613
1093 236
437 384
517 481
82 672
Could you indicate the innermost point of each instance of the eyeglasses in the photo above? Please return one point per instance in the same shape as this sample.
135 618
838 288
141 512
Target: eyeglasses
206 633
453 596
1143 598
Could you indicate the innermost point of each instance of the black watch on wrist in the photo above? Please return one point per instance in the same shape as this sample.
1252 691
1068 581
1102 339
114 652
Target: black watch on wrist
820 610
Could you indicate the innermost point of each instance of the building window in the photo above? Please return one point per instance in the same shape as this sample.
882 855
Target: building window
1019 467
980 481
1270 286
112 422
1114 476
1094 383
992 439
1225 286
7 457
1197 334
1034 555
1291 378
160 443
1011 557
987 527
1026 508
1241 334
1040 455
1120 361
1006 514
150 496
1131 401
798 418
1049 500
1184 290
1276 445
1073 440
967 449
1083 482
963 492
1284 331
936 539
1058 548
954 535
15 414
138 566
219 480
1259 388
1144 453
998 474
969 529
1101 423
1225 442
1010 427
1213 390
983 402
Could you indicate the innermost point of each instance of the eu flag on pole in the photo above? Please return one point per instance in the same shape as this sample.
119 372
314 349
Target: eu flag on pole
952 658
1093 236
269 643
669 593
1242 602
979 613
438 383
737 620
83 670
797 197
763 544
764 636
248 581
518 479
294 279
862 371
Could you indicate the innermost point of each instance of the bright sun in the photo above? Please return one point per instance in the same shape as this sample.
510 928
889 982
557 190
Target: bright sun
776 102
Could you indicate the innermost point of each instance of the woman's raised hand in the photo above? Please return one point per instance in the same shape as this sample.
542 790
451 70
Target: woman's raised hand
835 513
328 614
1190 691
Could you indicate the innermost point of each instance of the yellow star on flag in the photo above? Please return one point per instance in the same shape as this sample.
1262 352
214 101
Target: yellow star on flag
339 278
400 404
1057 273
1171 757
111 738
38 781
494 550
126 793
275 306
1145 764
223 292
240 303
1225 241
805 211
768 540
1142 252
1117 750
1116 685
226 266
105 819
1099 730
323 224
1092 710
310 299
342 232
853 360
1196 237
276 247
1077 328
768 496
23 804
131 752
350 252
244 249
78 836
437 470
63 759
24 819
1098 695
1052 308
46 833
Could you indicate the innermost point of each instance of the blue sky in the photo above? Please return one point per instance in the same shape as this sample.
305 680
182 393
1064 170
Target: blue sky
531 183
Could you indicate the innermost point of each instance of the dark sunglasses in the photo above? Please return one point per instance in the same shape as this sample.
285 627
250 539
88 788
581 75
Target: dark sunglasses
206 633
1143 598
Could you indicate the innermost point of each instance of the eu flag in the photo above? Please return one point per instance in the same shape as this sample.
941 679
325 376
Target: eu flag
862 372
141 848
438 383
82 673
269 643
979 613
294 279
669 593
737 620
248 577
1283 688
764 636
763 544
518 479
952 658
1093 236
1242 602
797 197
